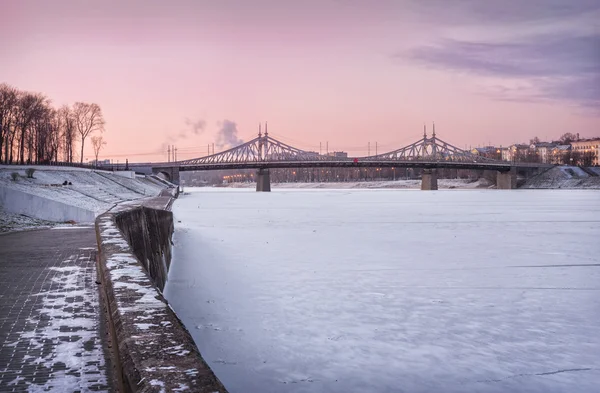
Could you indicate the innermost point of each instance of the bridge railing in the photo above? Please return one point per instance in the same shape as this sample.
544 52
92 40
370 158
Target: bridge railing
51 163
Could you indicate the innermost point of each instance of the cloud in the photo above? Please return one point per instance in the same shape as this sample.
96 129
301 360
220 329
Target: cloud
197 127
543 55
535 50
227 135
502 11
558 67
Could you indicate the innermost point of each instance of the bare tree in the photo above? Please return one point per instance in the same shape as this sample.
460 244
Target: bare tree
88 118
67 133
8 107
97 143
29 106
54 139
31 130
567 138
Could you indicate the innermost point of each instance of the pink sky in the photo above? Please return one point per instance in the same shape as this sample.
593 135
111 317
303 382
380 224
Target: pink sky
348 71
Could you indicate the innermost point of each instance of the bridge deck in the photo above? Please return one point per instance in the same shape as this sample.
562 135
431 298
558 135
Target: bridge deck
495 166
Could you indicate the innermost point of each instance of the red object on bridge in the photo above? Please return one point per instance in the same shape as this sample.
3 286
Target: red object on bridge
356 160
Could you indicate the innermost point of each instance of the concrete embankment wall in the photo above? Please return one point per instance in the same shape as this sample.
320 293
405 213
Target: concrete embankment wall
64 194
153 350
149 233
20 202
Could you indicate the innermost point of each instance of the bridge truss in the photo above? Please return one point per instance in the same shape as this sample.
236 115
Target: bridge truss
432 149
267 151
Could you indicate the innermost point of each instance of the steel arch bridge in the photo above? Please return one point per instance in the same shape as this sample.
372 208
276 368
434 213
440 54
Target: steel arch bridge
266 152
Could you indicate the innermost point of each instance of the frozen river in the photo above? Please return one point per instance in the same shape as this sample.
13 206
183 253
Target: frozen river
391 290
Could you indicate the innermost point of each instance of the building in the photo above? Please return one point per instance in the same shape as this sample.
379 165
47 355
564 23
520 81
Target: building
516 152
543 150
100 162
585 151
488 152
559 154
338 154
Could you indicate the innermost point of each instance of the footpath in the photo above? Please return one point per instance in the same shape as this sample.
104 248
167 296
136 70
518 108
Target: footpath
51 333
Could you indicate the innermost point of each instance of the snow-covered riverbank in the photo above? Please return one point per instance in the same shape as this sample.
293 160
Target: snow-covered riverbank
65 194
383 184
568 177
10 222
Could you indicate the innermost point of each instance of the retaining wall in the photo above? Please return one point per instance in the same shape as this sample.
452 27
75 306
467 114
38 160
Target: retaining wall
19 202
154 352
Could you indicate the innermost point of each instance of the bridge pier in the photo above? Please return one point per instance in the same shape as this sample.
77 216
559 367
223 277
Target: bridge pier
263 180
507 180
169 173
429 180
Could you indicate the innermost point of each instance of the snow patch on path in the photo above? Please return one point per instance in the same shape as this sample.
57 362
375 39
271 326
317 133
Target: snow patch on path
68 320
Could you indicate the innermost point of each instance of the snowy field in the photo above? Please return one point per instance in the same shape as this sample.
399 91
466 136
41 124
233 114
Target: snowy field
391 290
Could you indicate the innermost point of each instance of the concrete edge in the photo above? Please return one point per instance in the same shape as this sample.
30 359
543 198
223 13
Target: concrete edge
41 207
154 352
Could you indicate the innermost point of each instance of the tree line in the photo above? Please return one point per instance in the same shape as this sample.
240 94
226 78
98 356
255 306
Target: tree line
33 131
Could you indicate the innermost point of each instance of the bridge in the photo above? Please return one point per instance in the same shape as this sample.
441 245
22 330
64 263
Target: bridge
265 152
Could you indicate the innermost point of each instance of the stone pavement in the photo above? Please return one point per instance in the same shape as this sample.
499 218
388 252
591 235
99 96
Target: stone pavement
51 334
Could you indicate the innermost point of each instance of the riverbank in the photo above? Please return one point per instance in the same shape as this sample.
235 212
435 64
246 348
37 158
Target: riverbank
375 184
63 194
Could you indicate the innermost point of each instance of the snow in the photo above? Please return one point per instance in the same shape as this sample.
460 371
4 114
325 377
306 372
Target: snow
95 191
573 171
161 384
391 290
442 183
128 275
565 177
76 365
11 222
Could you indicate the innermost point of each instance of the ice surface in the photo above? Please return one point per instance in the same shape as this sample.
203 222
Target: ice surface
391 290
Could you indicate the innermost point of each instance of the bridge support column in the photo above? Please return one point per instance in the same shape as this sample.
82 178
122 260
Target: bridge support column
429 180
507 180
170 173
263 180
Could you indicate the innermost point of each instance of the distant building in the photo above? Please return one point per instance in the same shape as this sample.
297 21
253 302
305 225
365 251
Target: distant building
338 154
586 151
516 152
487 151
100 162
559 154
505 154
543 150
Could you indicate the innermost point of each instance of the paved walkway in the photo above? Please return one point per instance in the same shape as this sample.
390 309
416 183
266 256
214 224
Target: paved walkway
50 329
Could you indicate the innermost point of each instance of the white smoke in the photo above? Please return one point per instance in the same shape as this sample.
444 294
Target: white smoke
227 137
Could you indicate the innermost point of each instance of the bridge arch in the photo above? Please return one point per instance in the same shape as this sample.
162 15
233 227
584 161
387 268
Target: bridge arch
164 175
168 173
